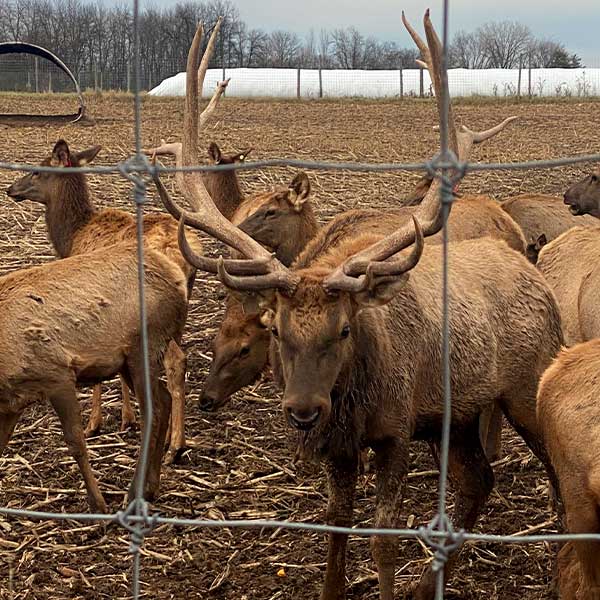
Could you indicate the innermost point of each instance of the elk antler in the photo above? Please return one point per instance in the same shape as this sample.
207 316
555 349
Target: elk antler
261 267
460 139
186 153
359 272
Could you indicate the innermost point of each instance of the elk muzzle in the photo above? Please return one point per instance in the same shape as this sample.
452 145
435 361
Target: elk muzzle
306 413
570 200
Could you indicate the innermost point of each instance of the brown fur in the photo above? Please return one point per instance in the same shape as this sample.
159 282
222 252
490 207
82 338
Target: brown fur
76 321
565 263
569 415
471 217
540 215
224 186
76 227
284 221
583 197
381 385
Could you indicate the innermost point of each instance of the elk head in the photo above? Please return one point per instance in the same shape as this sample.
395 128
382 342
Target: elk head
218 158
583 197
240 354
280 218
42 186
318 315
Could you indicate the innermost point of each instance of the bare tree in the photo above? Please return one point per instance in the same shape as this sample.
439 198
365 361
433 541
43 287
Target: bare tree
504 43
283 49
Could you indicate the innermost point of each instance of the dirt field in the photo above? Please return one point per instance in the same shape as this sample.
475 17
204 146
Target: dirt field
239 464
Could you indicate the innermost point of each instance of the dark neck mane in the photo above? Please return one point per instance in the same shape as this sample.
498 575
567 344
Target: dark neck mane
69 211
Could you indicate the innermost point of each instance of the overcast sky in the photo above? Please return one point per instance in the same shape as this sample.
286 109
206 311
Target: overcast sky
576 23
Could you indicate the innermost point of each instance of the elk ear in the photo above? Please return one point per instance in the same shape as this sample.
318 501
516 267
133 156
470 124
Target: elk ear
214 152
540 242
241 157
298 191
267 317
85 157
61 155
379 294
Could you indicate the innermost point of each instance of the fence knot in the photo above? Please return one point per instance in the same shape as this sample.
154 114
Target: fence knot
141 526
137 169
443 546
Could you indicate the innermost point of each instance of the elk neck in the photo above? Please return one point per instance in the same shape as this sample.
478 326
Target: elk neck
70 210
225 191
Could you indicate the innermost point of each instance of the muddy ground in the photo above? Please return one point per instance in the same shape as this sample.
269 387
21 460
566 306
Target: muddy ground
239 464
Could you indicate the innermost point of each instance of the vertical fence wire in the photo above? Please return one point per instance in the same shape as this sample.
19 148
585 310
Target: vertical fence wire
439 535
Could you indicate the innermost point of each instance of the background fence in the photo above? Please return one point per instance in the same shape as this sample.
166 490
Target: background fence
25 73
137 519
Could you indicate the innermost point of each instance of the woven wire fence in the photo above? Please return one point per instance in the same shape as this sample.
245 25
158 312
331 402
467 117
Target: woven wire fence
439 534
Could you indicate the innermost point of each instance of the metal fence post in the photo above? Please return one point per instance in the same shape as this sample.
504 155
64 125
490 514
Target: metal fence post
298 84
320 82
529 71
519 80
421 84
401 82
37 74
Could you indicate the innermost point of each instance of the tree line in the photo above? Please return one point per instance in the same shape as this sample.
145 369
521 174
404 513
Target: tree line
97 38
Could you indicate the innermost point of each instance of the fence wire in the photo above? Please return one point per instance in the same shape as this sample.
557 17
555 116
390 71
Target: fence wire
439 534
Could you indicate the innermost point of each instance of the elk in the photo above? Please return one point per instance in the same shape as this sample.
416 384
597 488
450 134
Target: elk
583 197
75 226
569 416
224 186
76 321
542 219
356 331
566 262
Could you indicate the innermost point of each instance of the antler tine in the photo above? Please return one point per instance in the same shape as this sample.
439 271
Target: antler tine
208 53
211 265
482 136
360 271
282 280
421 45
190 115
214 101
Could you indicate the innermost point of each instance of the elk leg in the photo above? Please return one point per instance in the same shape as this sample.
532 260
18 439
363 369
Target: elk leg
391 466
472 476
161 404
341 479
68 410
128 420
8 422
490 432
519 410
583 517
94 425
175 364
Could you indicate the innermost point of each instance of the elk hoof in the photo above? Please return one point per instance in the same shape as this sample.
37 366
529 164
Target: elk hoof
174 455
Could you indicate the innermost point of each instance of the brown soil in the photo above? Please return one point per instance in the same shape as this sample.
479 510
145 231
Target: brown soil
239 464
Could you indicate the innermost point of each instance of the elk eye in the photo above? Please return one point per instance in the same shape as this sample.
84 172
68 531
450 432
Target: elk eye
244 351
594 178
345 331
274 331
270 213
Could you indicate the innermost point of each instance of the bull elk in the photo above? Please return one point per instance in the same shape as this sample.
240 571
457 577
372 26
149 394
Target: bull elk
76 321
75 226
569 416
356 333
542 219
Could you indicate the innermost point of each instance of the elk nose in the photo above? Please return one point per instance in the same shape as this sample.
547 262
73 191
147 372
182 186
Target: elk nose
303 419
207 401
